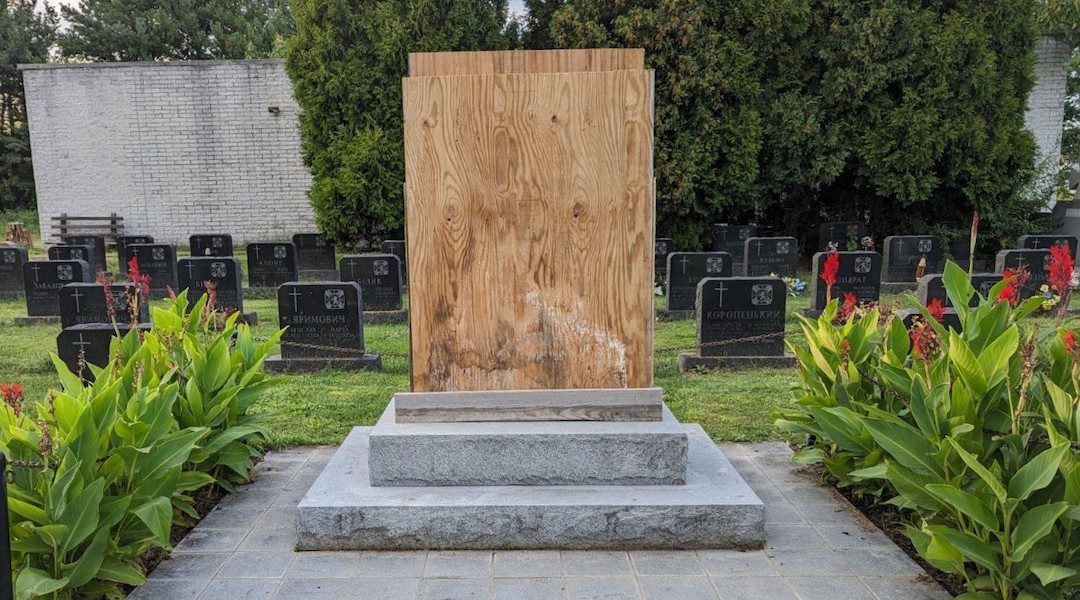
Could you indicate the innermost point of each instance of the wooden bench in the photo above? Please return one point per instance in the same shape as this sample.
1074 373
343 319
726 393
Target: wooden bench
111 227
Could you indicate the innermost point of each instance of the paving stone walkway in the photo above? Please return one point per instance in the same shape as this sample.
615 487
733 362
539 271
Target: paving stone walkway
818 548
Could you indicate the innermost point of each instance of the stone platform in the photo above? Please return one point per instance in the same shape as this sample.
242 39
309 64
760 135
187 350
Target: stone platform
715 508
691 362
367 362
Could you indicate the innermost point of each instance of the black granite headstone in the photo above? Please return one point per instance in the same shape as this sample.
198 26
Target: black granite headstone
841 233
42 280
732 239
222 271
211 244
932 287
159 262
1037 263
686 269
97 259
123 241
324 320
397 248
379 276
86 303
11 270
859 274
69 252
771 256
314 252
1042 242
663 247
89 343
903 253
738 308
908 317
270 265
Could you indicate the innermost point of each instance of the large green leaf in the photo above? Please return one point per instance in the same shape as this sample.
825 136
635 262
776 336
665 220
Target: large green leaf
1048 574
114 570
31 583
905 444
171 453
81 515
1033 526
1037 473
966 364
157 516
969 505
973 548
989 478
86 566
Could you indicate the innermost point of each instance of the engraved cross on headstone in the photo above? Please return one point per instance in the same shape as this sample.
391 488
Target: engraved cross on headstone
685 259
256 250
1037 243
76 296
295 300
900 246
191 270
82 343
758 244
721 289
352 270
37 272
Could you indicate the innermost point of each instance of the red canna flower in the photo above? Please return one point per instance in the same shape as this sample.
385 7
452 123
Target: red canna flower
142 282
832 266
924 341
1069 337
1016 279
13 395
847 308
1061 267
936 309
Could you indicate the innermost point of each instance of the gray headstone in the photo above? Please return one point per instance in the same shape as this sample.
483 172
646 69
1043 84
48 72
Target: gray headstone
379 276
686 269
771 255
270 265
840 232
1035 261
1045 241
932 287
159 262
397 248
732 239
211 244
314 252
123 241
324 320
42 280
222 271
89 343
737 308
70 252
11 269
87 303
859 274
96 243
902 254
663 247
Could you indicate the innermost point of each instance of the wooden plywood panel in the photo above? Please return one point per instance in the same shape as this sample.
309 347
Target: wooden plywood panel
429 64
529 220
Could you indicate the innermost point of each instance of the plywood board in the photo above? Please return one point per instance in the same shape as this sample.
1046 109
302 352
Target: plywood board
429 64
530 405
529 220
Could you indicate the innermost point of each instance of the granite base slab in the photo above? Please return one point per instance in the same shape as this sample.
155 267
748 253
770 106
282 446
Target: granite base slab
33 321
693 362
319 275
527 452
367 362
898 287
714 509
380 317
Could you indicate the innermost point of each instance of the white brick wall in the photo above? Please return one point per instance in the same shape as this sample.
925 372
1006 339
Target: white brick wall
175 148
1045 116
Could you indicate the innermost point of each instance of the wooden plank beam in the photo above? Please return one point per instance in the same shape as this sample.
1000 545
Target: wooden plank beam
530 405
430 64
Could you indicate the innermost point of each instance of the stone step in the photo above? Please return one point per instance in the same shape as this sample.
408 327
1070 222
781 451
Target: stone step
714 509
527 452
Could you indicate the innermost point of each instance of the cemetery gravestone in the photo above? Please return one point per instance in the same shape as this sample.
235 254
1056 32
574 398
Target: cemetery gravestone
1045 241
123 241
89 344
902 256
932 287
771 256
270 265
397 248
686 269
98 261
158 261
663 248
314 252
740 323
11 270
909 316
324 326
87 303
841 234
42 280
732 239
859 274
224 273
379 276
960 252
216 244
68 252
1036 262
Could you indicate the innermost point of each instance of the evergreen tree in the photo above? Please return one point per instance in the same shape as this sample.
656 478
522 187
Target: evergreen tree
133 30
26 35
346 62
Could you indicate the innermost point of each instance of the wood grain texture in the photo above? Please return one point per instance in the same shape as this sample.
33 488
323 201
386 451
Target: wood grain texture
530 405
432 64
529 220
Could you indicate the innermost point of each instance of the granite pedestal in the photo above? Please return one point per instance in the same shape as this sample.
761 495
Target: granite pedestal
693 362
366 362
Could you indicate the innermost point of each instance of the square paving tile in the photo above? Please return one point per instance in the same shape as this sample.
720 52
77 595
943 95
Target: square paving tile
324 565
601 588
798 561
667 563
753 588
312 589
240 589
586 563
883 561
454 564
853 535
190 566
792 535
831 512
548 588
528 563
393 565
829 588
231 518
270 540
905 588
732 563
682 588
382 589
277 517
455 589
210 540
256 565
169 589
